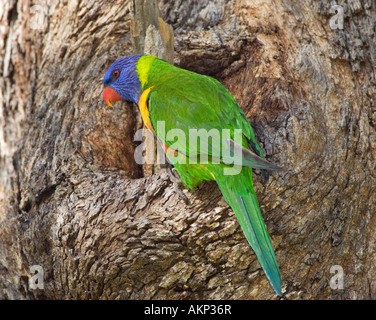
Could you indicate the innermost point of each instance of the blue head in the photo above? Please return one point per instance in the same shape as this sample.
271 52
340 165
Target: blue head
121 80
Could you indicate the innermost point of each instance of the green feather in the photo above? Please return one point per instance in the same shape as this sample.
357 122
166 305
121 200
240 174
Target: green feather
184 100
239 194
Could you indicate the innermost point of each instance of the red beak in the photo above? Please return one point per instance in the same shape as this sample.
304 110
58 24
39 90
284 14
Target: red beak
110 95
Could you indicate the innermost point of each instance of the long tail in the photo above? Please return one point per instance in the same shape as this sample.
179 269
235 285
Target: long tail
238 192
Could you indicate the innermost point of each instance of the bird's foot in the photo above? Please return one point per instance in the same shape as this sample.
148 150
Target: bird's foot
177 184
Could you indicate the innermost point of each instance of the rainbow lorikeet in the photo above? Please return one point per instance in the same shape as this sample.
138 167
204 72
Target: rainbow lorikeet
171 98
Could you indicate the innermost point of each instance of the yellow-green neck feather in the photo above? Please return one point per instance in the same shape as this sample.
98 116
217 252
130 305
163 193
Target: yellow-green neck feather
143 67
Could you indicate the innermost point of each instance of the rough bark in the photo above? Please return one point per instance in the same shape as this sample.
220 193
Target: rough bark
73 200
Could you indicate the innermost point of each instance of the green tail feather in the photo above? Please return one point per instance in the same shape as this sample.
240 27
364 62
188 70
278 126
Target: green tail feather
238 192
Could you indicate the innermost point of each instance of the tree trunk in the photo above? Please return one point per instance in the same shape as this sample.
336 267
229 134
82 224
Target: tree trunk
76 211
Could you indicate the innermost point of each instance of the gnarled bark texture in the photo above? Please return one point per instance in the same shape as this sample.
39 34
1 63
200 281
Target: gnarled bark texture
73 200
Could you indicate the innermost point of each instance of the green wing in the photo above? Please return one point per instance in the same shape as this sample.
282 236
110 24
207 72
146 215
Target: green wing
194 104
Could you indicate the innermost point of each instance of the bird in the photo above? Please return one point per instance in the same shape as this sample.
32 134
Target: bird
188 104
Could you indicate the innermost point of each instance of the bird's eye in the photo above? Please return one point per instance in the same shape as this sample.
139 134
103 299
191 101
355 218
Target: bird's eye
115 74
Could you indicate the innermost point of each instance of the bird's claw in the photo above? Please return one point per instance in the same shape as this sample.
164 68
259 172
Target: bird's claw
177 183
